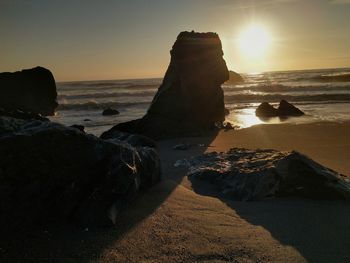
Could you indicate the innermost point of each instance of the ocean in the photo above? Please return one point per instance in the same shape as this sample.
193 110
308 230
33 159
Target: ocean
324 95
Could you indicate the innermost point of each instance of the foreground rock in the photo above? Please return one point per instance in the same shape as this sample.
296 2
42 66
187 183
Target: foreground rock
242 174
190 98
285 109
135 140
79 127
18 114
30 90
52 172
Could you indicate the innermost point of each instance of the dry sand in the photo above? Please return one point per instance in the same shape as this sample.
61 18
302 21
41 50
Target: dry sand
173 223
325 142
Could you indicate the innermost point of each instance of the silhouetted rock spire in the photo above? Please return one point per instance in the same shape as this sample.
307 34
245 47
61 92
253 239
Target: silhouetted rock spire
190 98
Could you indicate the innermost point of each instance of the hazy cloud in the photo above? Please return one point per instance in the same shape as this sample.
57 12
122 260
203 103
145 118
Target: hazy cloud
248 4
340 1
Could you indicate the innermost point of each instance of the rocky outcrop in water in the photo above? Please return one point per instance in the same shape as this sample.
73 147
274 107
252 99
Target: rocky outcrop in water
234 78
52 172
242 174
110 111
266 110
190 99
285 109
30 90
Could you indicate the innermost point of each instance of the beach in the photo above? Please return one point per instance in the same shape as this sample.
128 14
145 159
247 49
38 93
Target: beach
197 227
325 142
175 131
178 221
173 223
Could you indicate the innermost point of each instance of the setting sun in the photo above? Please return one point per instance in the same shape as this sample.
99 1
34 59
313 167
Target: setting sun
254 41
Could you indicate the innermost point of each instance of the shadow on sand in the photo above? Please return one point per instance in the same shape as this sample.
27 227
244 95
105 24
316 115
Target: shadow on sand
66 243
318 230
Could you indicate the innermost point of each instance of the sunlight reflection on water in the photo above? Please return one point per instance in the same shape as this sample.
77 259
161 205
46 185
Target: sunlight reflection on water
245 118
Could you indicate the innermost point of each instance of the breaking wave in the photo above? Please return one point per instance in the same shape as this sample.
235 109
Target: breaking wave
93 95
333 78
93 105
107 85
277 97
287 88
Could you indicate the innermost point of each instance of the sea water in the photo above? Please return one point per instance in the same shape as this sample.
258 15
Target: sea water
324 95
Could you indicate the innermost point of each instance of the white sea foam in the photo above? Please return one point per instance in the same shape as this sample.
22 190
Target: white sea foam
322 94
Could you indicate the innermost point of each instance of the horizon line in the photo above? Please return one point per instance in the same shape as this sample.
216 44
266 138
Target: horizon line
138 78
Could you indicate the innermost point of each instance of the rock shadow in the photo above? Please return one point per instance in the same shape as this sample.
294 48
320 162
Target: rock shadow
317 229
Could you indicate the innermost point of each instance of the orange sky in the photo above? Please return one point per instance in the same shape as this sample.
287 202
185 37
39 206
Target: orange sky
118 39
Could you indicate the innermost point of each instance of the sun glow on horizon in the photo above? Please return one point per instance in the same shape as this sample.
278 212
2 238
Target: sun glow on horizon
254 41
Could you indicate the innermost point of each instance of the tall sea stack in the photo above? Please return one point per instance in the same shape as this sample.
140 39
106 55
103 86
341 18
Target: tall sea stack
190 99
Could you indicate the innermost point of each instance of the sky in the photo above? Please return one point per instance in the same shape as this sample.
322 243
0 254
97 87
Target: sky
91 40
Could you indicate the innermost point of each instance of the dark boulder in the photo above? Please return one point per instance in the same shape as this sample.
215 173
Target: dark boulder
234 78
18 114
229 126
109 111
242 174
30 90
10 125
52 172
135 140
265 110
190 99
182 146
287 109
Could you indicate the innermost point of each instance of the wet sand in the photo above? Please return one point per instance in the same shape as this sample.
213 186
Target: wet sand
173 223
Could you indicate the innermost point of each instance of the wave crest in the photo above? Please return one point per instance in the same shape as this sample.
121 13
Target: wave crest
277 97
93 105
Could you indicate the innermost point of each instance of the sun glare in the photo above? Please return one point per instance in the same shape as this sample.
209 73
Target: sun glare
254 41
